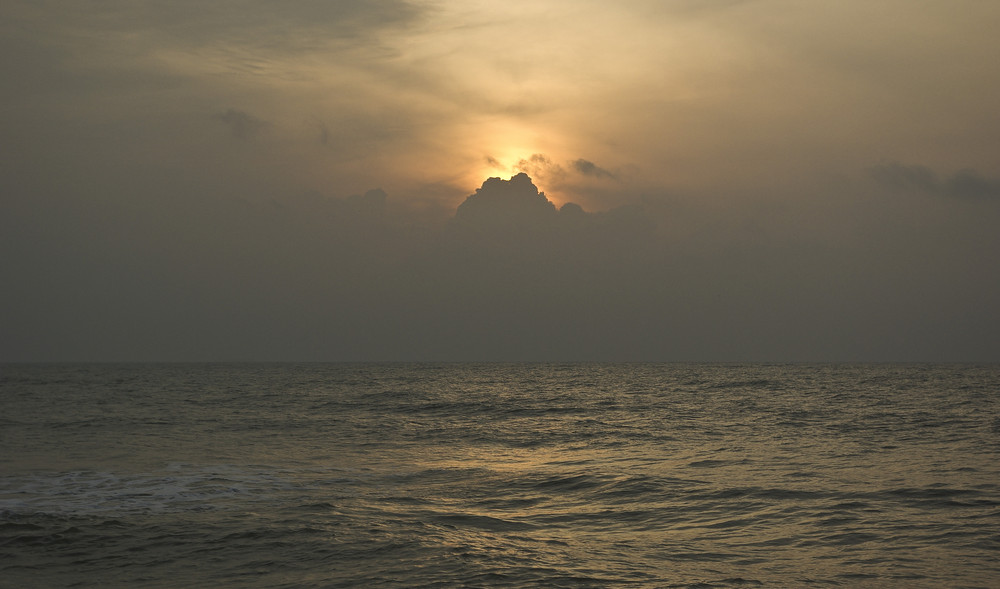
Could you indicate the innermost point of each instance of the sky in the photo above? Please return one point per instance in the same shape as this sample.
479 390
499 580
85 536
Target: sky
668 180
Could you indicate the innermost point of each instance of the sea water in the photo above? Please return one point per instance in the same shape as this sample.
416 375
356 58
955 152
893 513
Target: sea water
499 475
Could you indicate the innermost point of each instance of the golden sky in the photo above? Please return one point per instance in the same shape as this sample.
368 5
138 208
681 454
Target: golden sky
434 96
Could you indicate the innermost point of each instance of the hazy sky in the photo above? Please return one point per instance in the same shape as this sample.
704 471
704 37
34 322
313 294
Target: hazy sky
752 180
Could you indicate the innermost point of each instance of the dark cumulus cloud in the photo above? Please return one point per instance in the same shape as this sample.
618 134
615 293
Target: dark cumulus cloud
516 201
517 207
966 183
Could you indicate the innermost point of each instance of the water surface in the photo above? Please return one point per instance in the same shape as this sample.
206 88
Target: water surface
482 475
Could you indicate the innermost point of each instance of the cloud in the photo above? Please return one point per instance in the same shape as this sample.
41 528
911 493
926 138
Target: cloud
514 202
902 177
514 217
541 167
369 203
572 179
322 131
509 277
296 24
242 124
969 183
588 168
963 184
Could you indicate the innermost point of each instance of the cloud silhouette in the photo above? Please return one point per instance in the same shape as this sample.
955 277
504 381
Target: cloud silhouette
571 210
514 202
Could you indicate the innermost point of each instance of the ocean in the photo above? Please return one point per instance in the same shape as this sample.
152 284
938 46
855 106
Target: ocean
499 475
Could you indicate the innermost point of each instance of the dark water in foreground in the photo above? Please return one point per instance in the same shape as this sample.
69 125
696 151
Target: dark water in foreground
481 475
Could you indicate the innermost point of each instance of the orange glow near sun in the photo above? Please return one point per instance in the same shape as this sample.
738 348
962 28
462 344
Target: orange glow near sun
499 162
513 147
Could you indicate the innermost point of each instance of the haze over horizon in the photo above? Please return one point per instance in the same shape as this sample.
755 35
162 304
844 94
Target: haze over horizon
755 180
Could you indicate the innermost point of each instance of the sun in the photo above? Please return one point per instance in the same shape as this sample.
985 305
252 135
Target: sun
505 161
502 148
502 162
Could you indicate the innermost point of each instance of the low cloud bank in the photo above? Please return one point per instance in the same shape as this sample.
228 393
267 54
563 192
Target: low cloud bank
508 277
